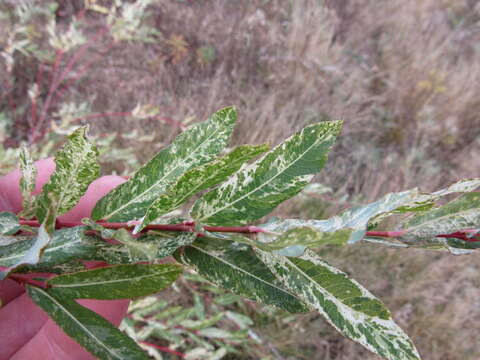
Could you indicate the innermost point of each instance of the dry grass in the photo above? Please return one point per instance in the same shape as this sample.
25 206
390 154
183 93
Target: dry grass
404 76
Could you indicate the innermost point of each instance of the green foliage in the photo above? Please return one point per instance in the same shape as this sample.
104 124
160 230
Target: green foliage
281 174
195 146
274 263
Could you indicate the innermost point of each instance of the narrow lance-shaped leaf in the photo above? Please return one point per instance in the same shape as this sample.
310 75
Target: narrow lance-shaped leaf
32 254
424 201
198 179
235 267
75 168
195 146
462 213
356 218
115 282
87 328
293 242
349 307
280 174
27 182
9 223
62 254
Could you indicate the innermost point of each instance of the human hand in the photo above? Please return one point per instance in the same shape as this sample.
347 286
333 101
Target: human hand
26 332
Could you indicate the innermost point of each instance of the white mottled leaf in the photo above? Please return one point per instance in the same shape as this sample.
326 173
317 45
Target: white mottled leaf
349 307
426 201
236 267
27 182
282 173
356 218
459 214
89 329
195 146
75 168
63 253
32 255
199 179
9 223
115 282
293 242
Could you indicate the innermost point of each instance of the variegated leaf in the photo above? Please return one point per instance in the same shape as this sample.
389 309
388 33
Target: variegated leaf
75 168
115 282
282 173
27 182
425 201
9 223
66 245
462 213
199 179
147 247
87 328
293 242
31 255
349 307
236 267
356 218
197 145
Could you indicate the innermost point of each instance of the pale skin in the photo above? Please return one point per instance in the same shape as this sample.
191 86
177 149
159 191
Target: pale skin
26 332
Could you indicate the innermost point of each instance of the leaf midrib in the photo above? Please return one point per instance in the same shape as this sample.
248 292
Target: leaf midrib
80 324
165 176
67 243
262 185
71 179
416 227
246 272
76 285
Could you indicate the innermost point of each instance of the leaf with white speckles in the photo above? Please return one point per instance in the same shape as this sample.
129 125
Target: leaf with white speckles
199 179
66 245
461 213
356 218
235 267
281 174
195 146
89 329
27 182
9 223
115 282
349 307
75 168
425 201
31 255
293 242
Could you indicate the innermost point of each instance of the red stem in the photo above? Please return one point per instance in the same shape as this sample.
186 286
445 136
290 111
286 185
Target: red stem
190 226
25 279
163 349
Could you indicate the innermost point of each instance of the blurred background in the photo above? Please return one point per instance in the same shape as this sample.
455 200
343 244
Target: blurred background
404 75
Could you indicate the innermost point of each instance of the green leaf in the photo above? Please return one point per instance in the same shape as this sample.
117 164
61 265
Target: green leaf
87 328
27 182
9 223
349 307
32 254
198 179
356 218
293 242
462 213
66 244
197 145
75 168
280 174
115 282
235 267
425 201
